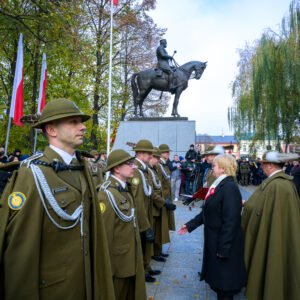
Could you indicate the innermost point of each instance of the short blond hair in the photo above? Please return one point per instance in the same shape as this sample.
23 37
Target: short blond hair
227 162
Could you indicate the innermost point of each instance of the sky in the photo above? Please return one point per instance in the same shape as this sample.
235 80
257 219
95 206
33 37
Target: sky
213 31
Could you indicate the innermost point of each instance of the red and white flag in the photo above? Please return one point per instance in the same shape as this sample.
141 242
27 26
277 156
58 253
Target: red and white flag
115 2
43 85
17 99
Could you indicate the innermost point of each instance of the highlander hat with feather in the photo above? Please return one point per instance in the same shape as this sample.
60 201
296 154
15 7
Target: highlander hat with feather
276 157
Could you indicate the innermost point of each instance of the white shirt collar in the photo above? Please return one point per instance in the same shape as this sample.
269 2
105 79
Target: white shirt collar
163 160
67 158
123 184
142 163
275 172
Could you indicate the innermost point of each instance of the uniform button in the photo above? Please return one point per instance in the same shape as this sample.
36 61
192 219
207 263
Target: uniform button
43 282
63 202
86 235
86 252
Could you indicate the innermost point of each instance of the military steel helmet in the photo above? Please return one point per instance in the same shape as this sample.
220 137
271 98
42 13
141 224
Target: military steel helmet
214 150
117 157
156 152
143 146
59 109
276 157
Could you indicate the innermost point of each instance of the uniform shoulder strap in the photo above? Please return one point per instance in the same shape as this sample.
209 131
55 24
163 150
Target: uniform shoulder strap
28 160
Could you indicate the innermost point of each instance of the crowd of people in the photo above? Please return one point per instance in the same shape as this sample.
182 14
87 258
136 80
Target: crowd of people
188 173
78 225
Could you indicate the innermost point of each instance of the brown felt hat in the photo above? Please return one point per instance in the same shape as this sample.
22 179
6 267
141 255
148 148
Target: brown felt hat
156 152
143 146
164 148
59 109
116 158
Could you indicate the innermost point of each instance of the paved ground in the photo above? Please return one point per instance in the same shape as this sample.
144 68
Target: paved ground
179 279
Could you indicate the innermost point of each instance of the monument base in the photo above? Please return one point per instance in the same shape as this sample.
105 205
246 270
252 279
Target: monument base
177 133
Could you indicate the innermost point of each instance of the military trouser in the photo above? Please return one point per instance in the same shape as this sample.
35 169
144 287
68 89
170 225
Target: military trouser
124 288
147 249
157 247
244 178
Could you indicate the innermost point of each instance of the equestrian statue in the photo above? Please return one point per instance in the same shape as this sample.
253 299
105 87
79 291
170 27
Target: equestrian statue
168 76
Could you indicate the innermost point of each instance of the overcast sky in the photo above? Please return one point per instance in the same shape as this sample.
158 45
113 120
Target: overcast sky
213 30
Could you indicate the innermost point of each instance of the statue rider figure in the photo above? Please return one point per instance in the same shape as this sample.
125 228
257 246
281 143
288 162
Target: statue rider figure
163 62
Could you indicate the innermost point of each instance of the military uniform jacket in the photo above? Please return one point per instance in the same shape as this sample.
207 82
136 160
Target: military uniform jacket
159 210
143 203
40 261
244 168
271 221
156 196
164 176
123 237
96 169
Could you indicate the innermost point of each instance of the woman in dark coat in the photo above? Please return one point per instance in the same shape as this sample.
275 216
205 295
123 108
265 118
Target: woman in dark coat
223 265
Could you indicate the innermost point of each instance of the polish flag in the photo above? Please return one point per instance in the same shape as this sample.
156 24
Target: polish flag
43 85
17 99
115 2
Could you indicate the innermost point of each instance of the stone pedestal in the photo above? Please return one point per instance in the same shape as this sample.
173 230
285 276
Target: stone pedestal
178 133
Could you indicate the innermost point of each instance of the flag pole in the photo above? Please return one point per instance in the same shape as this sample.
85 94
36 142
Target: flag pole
7 135
42 96
35 138
109 79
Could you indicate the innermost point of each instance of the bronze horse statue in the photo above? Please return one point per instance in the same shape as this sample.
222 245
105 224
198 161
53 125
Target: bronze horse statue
143 82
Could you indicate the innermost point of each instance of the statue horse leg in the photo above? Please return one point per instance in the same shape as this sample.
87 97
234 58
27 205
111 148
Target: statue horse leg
142 96
176 102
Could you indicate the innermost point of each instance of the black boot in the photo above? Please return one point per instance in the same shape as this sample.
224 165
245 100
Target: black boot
149 278
225 297
158 258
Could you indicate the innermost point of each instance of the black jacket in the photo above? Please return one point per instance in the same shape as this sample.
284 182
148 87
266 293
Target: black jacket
191 154
296 180
223 235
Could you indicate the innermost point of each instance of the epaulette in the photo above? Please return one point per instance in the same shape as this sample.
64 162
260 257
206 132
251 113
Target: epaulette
103 186
28 160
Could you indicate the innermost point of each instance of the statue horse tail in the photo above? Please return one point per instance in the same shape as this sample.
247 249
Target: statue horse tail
134 87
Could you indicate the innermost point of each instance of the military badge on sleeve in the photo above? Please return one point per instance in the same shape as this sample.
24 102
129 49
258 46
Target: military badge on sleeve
102 207
16 200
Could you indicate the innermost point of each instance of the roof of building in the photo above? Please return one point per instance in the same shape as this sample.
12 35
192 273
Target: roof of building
215 139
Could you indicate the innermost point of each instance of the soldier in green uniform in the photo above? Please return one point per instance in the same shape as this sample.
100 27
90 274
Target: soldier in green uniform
160 207
245 172
52 239
117 208
209 155
96 167
271 222
165 177
103 160
141 191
